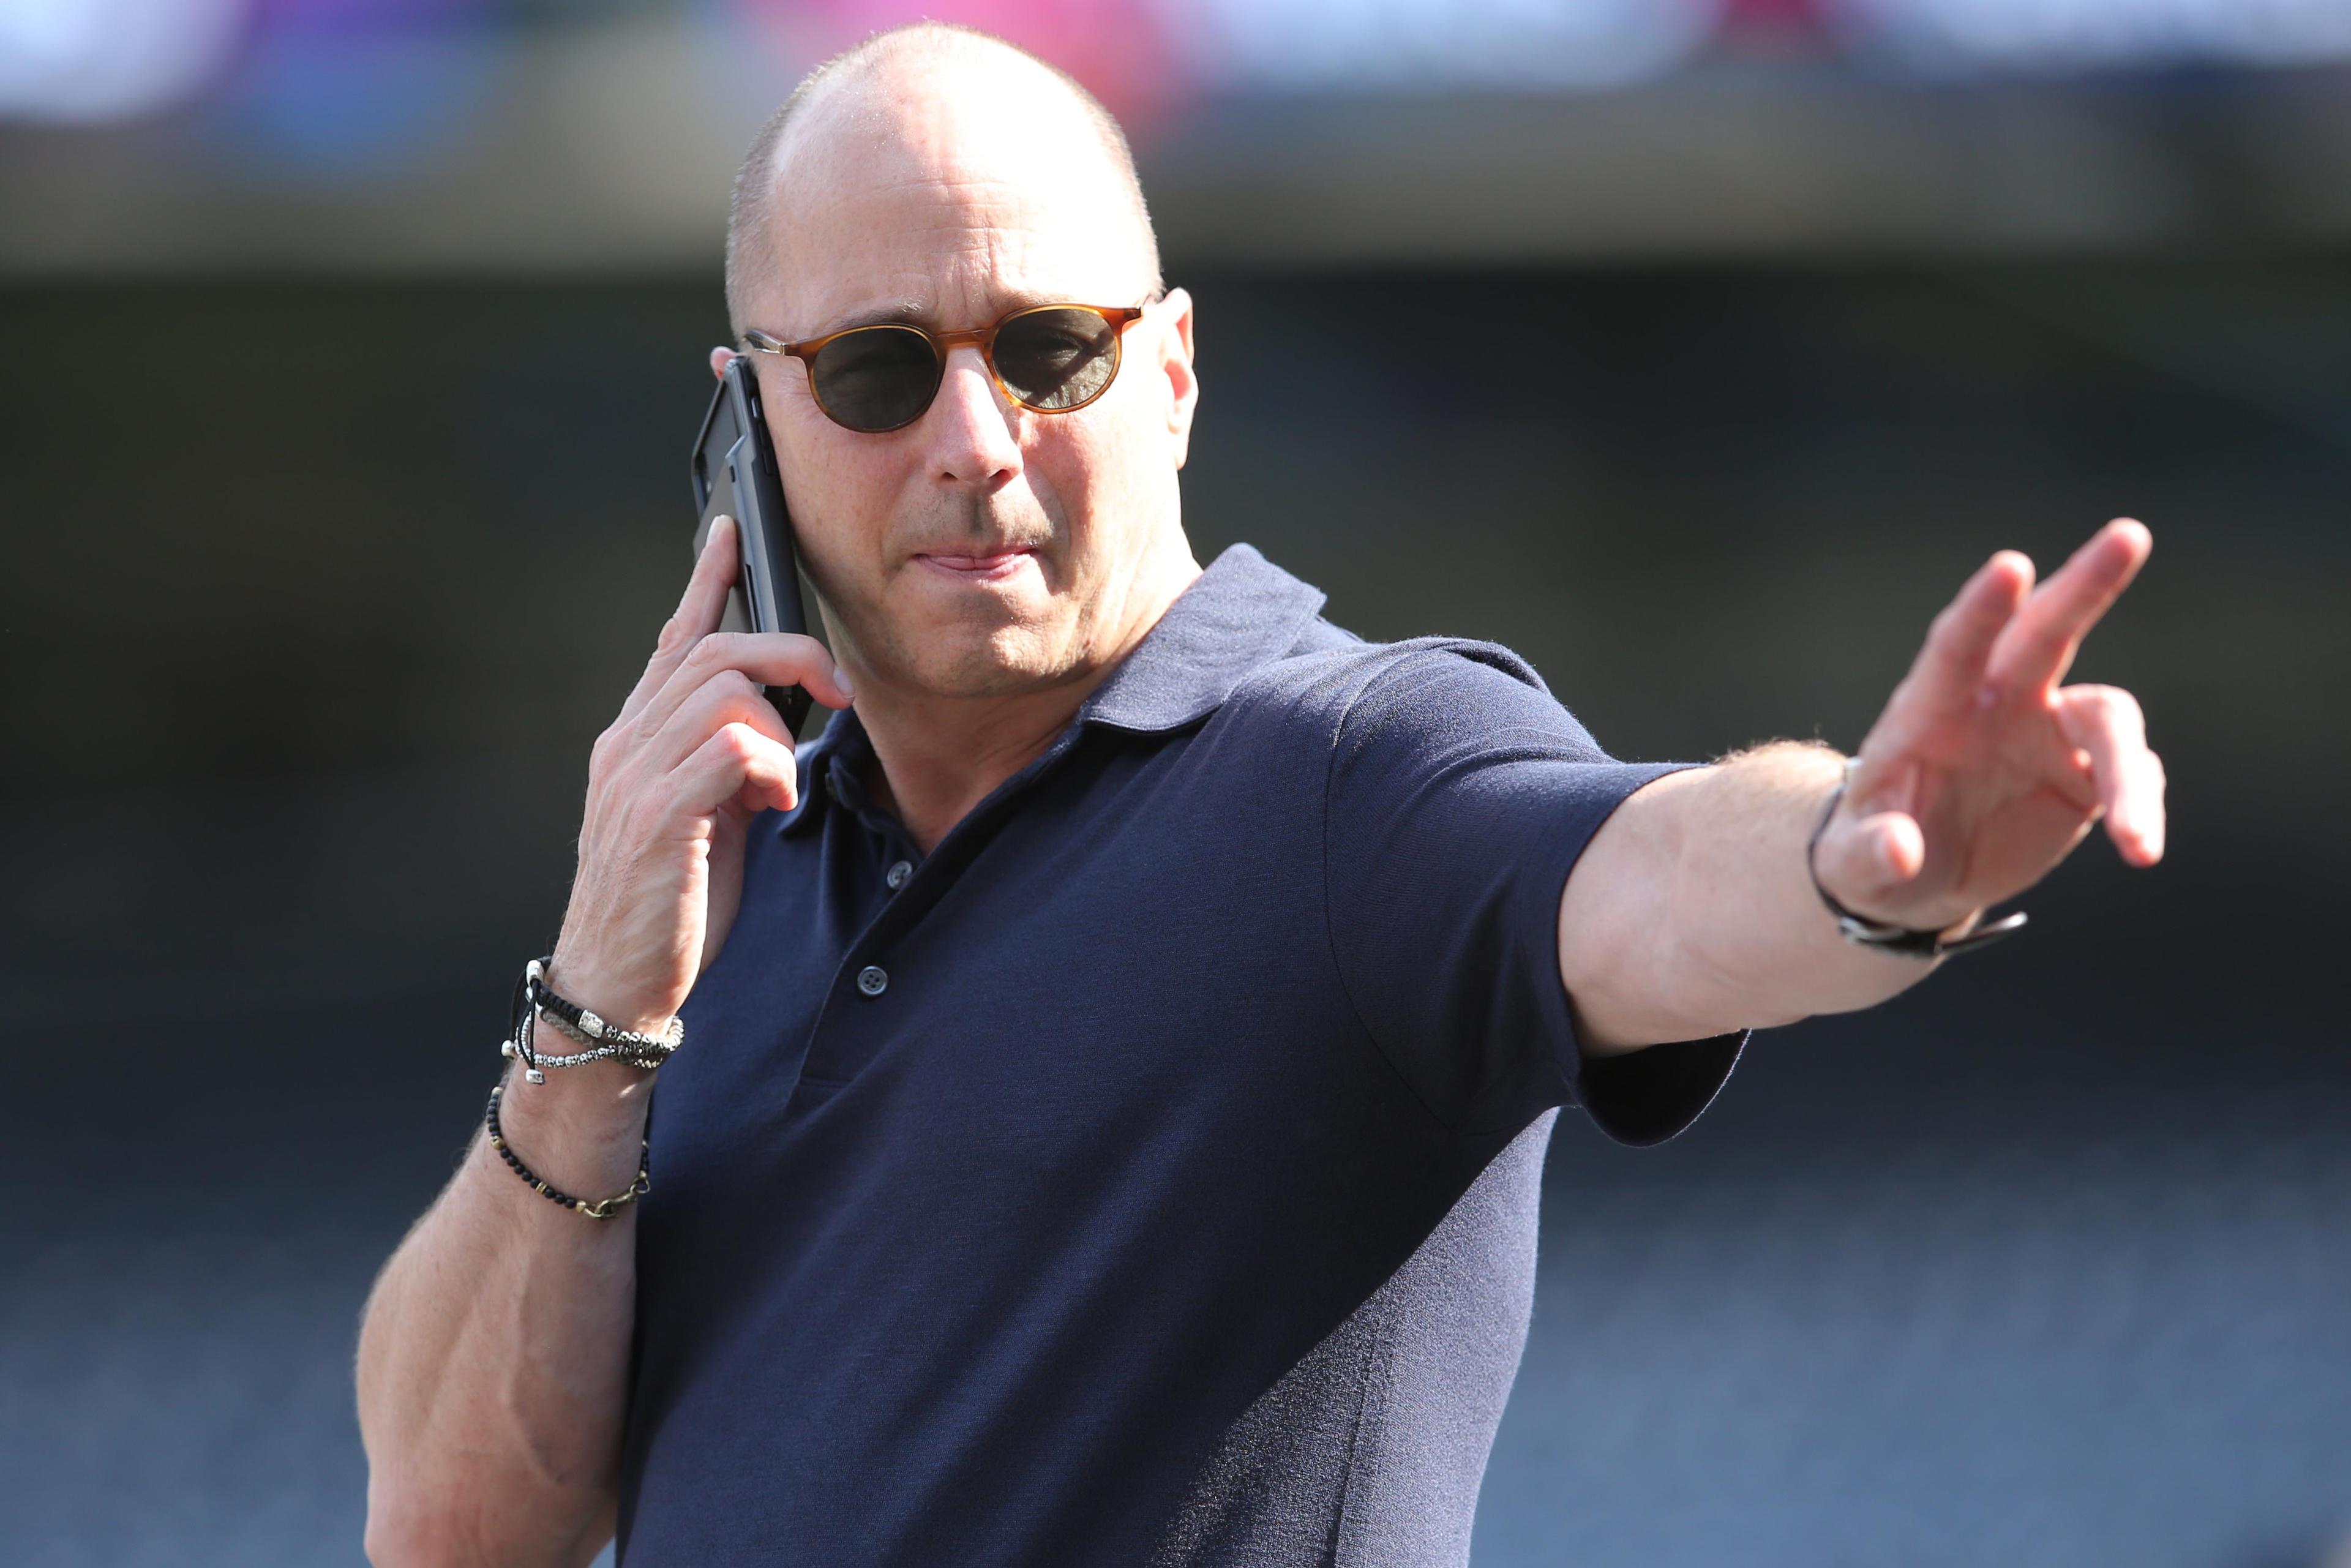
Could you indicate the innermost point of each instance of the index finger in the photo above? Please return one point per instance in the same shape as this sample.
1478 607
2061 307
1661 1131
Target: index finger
1950 662
2038 647
698 616
1961 638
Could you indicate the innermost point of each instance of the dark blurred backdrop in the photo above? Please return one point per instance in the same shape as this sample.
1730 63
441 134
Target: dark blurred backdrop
315 582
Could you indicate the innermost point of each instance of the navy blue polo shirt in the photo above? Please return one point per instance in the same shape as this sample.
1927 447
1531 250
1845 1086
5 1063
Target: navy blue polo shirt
1148 1175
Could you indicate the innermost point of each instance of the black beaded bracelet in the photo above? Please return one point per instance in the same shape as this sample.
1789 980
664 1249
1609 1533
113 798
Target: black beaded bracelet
603 1209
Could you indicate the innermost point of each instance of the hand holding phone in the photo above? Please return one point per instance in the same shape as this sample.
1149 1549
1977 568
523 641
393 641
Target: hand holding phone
673 783
703 744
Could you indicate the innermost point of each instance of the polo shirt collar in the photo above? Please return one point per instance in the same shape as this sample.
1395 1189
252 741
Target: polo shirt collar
1237 617
1240 615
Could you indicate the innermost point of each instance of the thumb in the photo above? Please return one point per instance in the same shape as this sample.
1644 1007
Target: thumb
1864 859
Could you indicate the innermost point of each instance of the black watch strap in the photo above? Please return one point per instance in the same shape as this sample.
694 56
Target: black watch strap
1912 944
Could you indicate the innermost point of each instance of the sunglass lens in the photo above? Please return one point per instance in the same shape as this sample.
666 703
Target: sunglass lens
1056 359
876 378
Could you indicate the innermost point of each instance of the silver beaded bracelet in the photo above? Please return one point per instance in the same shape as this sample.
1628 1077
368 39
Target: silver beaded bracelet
534 999
522 1046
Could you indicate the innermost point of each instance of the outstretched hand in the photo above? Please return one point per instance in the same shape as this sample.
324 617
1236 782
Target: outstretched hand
1983 772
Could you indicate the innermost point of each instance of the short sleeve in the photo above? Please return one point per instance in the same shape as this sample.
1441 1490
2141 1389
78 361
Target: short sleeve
1459 796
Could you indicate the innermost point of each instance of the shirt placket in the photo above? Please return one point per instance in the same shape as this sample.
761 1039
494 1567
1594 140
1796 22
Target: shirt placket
870 997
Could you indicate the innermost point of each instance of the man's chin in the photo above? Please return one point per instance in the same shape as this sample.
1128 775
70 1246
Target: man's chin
1000 662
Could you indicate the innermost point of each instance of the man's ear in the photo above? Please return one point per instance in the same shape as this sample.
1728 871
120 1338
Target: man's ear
1176 364
719 359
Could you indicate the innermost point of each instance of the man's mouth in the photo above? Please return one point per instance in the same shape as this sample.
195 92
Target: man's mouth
990 566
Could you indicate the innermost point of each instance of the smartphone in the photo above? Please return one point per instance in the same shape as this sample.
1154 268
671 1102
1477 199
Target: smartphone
734 476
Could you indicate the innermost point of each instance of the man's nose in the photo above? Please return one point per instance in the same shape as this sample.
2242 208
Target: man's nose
970 427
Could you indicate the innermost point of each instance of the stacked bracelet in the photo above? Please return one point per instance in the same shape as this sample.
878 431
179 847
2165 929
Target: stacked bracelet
523 1046
533 997
589 1029
601 1208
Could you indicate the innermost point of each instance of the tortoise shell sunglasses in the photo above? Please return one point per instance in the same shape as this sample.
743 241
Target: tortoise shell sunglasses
1051 358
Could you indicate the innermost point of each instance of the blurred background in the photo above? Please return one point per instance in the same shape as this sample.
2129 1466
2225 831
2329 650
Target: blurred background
350 352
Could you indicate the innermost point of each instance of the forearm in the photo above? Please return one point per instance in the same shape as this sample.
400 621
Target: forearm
493 1357
1697 915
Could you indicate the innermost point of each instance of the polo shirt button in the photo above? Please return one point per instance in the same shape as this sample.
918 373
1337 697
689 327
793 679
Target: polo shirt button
898 874
873 980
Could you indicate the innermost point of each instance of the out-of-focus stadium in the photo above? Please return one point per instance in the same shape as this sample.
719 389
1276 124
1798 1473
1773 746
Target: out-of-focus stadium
1696 348
584 136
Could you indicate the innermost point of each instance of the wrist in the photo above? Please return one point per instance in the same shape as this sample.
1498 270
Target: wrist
589 985
537 1003
1928 921
1911 935
594 1104
575 1139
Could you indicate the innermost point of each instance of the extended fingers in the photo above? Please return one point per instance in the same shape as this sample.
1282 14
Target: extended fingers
704 604
1951 662
2037 646
2107 723
1949 668
698 613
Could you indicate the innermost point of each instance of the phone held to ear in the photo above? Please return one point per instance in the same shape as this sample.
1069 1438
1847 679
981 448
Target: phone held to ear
734 476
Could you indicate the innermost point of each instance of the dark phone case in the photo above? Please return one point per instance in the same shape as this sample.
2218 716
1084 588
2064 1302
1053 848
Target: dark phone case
735 473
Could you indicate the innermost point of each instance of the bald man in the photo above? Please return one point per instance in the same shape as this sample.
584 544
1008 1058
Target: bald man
1118 1052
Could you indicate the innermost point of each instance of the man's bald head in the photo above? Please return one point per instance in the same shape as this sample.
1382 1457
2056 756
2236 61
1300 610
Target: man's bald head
866 88
941 179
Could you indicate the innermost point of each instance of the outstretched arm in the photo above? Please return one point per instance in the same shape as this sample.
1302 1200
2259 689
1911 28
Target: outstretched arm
1692 914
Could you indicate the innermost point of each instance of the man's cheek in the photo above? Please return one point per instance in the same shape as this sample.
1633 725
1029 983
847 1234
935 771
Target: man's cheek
834 578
